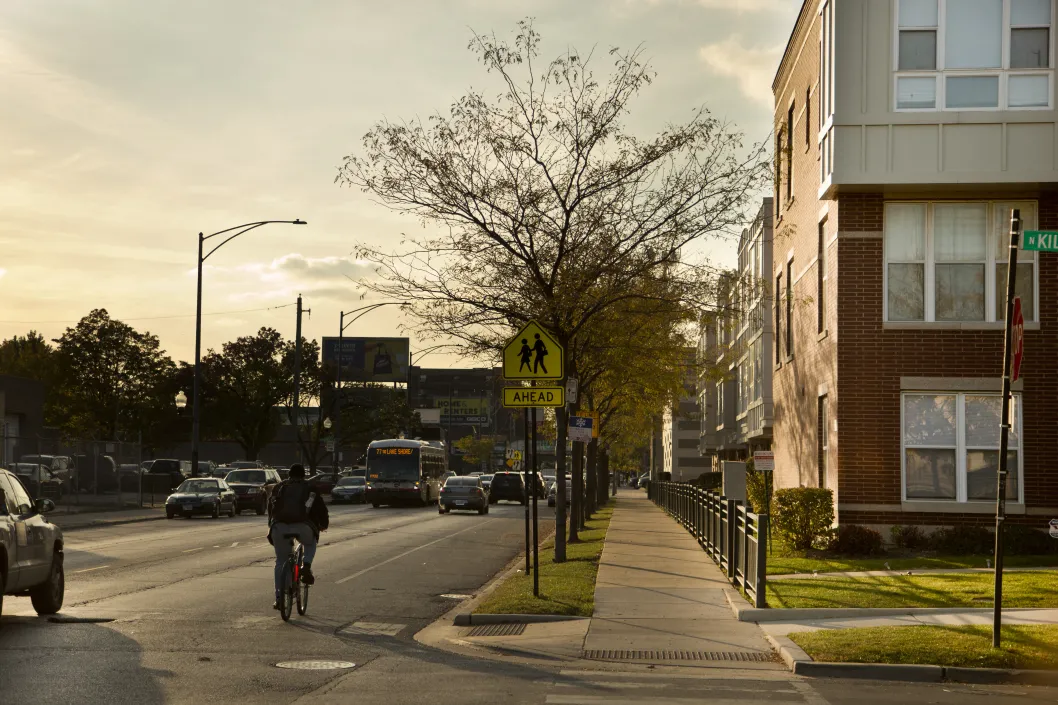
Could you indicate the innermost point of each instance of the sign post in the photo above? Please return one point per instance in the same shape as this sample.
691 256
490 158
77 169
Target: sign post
1004 428
533 355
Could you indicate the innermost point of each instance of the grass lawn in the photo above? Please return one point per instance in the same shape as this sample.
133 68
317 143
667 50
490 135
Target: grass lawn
1023 646
779 565
1030 589
565 588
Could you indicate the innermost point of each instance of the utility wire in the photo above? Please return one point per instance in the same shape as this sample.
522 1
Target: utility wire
159 318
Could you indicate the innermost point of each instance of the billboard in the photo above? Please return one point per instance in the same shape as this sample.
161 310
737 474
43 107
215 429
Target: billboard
463 410
369 359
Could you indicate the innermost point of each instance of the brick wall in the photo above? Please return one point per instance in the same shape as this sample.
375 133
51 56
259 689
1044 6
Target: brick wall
798 381
872 359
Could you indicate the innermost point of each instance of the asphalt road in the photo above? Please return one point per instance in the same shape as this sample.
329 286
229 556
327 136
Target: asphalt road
184 615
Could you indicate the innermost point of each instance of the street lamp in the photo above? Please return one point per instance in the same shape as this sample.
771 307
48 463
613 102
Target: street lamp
327 423
235 232
181 400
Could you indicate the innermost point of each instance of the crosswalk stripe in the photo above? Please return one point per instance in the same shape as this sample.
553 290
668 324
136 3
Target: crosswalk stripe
645 700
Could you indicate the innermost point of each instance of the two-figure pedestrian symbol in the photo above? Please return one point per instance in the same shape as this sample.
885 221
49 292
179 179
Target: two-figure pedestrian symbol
527 352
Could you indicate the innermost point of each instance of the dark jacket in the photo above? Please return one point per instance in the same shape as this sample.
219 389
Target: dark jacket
319 519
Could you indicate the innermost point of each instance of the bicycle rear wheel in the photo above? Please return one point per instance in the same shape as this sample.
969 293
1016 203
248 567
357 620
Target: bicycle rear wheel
301 590
286 600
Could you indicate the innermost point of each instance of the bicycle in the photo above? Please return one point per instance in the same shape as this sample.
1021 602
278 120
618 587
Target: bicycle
293 589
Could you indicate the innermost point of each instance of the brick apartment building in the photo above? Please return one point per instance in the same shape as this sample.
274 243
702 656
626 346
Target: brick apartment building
906 130
735 354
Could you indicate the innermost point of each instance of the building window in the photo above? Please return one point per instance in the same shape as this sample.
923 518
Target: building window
789 309
946 262
780 155
821 278
808 116
973 54
719 405
779 301
789 153
823 441
951 447
758 357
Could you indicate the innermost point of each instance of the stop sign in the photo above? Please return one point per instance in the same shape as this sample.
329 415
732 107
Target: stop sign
1017 339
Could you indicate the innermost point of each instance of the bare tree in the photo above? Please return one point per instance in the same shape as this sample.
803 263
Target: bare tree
538 203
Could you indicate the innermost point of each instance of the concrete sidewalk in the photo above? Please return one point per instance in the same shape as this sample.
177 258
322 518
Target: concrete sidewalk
659 599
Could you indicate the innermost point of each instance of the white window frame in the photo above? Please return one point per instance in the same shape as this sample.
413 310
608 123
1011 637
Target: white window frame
991 236
1004 72
825 138
961 448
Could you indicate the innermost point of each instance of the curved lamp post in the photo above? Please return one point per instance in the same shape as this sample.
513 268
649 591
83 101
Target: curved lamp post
231 234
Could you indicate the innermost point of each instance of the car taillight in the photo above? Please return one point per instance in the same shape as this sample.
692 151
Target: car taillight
443 490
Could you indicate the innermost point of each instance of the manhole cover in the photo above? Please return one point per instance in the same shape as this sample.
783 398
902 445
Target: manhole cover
315 665
651 655
79 620
497 630
456 596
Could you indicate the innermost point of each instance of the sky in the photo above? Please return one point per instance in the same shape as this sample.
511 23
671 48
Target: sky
128 127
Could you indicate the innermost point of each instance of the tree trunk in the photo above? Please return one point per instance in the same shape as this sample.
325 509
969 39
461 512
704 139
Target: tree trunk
560 492
577 508
593 474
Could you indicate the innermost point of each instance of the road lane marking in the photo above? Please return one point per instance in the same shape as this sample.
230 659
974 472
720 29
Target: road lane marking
409 552
234 545
192 550
89 570
810 695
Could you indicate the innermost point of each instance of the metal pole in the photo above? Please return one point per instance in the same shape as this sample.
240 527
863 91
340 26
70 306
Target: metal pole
1004 426
195 407
338 393
139 465
297 382
536 522
525 475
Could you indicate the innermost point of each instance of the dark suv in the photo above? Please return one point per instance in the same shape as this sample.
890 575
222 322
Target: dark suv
509 486
252 488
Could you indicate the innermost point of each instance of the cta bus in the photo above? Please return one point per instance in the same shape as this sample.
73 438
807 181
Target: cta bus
404 472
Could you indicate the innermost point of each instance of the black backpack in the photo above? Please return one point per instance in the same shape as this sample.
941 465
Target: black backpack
291 503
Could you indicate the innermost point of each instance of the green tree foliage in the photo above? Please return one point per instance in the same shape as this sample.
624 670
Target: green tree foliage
113 382
376 412
242 386
32 357
476 450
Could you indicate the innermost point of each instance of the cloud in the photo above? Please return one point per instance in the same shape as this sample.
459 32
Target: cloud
754 67
2 272
738 6
285 277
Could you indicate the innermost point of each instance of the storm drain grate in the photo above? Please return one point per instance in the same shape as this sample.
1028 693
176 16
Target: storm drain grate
497 630
648 655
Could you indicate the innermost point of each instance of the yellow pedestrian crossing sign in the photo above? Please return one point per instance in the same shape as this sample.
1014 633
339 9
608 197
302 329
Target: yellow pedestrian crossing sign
533 354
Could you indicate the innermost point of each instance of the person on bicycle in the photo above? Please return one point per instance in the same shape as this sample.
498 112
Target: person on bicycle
295 507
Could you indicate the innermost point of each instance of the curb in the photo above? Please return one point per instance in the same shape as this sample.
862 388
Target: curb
468 620
797 614
105 522
801 664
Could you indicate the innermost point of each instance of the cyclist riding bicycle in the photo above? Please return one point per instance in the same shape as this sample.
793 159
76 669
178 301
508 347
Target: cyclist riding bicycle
295 508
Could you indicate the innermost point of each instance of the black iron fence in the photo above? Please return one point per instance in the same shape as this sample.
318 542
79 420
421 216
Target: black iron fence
733 536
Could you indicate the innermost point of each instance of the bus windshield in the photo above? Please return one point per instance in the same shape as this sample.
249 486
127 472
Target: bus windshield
393 463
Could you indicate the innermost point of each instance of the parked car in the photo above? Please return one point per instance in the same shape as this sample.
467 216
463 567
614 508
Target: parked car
176 470
324 482
252 488
129 477
507 486
60 465
31 548
349 489
245 464
552 494
39 480
206 468
96 473
463 493
201 496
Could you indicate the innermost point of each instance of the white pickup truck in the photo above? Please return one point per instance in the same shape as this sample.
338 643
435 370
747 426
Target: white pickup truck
30 548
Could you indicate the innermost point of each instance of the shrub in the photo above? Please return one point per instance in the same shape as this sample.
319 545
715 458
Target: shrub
801 515
963 540
756 489
910 538
1021 540
854 540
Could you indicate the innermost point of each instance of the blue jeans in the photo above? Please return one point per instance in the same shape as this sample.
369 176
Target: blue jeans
284 546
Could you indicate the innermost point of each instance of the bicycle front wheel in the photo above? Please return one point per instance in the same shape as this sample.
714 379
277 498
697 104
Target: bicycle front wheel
303 598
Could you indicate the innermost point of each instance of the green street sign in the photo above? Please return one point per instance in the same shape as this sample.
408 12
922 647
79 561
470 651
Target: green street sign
1040 240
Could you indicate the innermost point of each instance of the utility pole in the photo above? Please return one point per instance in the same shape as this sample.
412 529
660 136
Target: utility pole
297 378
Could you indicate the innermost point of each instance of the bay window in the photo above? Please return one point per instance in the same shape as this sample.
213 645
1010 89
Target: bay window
973 54
946 262
951 447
